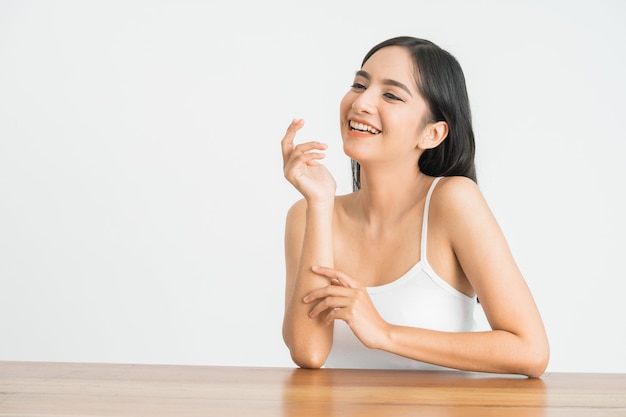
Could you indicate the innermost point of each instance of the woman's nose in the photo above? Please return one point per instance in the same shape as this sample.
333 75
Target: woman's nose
364 103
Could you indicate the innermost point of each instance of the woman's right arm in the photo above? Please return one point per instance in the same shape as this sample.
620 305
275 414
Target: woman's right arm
308 242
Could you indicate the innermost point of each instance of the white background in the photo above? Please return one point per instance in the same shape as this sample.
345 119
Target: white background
142 200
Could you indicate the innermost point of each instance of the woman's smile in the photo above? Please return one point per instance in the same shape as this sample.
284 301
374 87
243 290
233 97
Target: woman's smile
363 128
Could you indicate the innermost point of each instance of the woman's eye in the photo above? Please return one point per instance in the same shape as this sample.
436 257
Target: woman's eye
392 96
358 86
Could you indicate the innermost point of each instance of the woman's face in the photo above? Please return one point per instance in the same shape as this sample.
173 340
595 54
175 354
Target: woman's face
382 115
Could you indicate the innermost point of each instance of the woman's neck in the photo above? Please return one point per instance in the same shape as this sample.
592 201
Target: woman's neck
387 194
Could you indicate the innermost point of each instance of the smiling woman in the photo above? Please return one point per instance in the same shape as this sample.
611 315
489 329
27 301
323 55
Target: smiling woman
388 276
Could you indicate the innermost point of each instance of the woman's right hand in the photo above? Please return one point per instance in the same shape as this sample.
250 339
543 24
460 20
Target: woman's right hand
302 169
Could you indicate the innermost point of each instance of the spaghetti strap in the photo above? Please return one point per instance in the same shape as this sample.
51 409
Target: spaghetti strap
425 220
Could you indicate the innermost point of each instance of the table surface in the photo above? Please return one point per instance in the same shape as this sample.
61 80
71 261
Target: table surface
78 389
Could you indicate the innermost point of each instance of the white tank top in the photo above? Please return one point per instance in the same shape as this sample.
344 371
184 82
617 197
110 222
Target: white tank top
419 298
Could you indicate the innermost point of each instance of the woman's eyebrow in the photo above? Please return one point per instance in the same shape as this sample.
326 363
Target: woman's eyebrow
386 81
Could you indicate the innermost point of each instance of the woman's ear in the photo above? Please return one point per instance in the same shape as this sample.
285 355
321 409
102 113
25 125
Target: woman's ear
435 133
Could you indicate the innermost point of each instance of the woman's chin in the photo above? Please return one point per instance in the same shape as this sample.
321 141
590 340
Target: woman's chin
356 149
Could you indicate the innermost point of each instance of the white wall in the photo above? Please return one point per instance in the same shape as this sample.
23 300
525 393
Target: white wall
141 191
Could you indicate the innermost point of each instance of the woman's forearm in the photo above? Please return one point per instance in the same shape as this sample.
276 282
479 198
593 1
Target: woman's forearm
496 351
310 341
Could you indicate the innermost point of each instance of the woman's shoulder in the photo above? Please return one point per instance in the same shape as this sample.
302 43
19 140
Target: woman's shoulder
297 207
296 214
457 196
453 186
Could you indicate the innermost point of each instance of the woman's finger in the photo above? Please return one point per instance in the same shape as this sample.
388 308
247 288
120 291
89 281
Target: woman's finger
325 292
334 274
287 142
310 148
305 158
329 304
336 281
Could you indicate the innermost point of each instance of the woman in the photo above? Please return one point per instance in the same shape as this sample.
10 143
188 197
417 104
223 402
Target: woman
388 276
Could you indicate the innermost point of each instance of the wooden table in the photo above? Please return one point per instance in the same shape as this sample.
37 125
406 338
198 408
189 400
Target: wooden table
73 389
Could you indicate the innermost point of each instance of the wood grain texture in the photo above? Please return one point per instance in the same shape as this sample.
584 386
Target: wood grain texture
29 389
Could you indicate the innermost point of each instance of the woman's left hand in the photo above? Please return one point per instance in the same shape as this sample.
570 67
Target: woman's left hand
345 299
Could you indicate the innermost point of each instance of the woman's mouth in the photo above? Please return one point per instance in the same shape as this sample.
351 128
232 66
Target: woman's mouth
361 127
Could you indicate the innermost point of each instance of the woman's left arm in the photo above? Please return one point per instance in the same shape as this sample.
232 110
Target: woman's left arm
517 342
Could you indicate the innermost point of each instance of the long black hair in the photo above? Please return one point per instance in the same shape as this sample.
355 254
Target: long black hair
441 83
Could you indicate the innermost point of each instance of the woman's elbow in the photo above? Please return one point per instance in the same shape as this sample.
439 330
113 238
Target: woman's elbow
306 355
536 362
308 361
306 352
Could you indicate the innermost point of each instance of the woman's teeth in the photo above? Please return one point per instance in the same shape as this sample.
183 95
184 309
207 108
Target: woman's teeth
363 128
